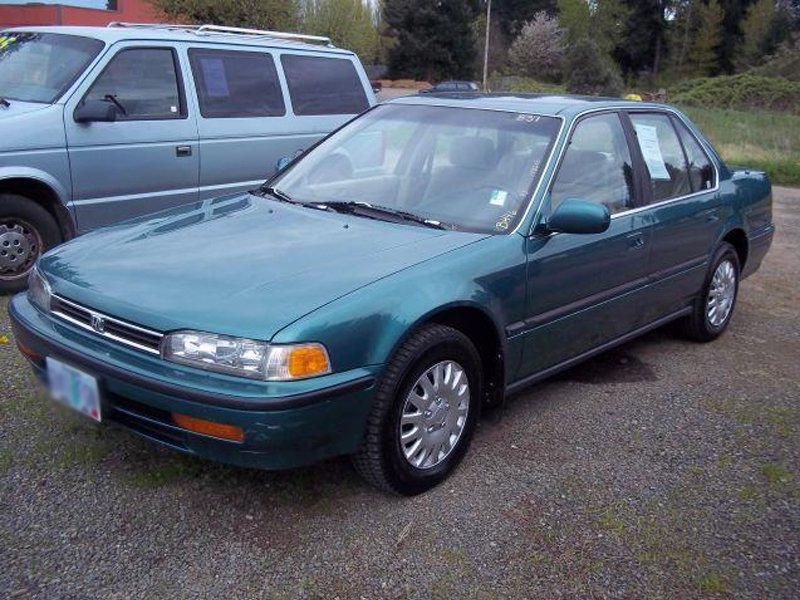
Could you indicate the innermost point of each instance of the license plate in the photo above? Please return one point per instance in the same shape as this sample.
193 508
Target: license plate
74 388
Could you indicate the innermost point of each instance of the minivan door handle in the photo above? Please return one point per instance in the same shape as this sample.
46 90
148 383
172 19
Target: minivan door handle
183 150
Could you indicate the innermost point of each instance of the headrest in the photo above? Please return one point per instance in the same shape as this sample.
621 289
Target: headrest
472 152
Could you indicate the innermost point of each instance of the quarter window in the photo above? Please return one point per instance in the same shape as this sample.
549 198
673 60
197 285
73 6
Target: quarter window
663 154
323 86
701 172
144 82
597 165
236 84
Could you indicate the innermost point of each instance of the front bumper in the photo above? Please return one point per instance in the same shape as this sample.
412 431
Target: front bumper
286 424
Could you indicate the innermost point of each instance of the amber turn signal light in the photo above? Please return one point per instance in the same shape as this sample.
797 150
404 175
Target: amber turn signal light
308 360
217 430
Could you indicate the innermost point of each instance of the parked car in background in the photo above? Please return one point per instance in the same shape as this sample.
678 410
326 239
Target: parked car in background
104 124
428 258
452 86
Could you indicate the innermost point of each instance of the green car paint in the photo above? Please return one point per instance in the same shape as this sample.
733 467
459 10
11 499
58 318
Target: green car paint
532 300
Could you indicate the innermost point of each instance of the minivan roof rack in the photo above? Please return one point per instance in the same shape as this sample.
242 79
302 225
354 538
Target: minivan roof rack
224 30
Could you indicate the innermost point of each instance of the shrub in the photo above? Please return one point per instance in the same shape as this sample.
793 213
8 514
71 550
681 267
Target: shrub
743 92
590 72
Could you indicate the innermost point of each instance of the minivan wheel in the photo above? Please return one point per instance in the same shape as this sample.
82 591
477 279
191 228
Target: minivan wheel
425 411
26 230
713 308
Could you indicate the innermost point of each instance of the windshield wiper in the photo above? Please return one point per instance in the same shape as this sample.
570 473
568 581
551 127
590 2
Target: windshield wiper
4 102
377 212
278 194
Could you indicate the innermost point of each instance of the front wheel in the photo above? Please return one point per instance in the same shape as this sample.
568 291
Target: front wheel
713 308
26 231
425 412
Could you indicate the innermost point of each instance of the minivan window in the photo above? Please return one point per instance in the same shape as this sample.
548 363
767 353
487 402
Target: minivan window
236 84
323 86
597 165
663 154
39 67
144 82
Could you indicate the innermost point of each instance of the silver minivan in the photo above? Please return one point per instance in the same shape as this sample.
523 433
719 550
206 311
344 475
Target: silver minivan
102 124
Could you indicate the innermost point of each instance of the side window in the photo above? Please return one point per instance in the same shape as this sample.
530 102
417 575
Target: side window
597 165
323 86
236 84
701 171
663 155
144 84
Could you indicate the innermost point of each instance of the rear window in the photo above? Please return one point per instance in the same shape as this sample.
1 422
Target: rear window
236 84
323 86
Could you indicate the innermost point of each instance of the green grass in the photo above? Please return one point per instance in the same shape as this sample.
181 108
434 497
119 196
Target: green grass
761 140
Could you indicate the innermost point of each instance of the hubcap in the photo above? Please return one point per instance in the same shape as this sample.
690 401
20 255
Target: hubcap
434 414
721 293
20 245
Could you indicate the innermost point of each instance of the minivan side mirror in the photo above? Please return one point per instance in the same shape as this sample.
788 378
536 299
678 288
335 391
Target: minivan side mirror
285 161
574 215
95 110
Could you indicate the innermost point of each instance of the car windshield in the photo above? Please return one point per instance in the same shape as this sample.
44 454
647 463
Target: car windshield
466 169
39 67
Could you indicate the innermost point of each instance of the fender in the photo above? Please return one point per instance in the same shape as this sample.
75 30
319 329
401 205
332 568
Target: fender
58 197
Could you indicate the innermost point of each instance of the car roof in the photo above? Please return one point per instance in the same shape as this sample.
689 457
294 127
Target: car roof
166 33
540 104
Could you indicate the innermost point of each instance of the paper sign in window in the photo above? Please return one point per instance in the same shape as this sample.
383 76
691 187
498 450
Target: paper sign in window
214 77
651 151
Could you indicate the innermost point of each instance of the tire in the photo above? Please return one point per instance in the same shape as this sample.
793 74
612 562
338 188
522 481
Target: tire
26 231
702 325
382 458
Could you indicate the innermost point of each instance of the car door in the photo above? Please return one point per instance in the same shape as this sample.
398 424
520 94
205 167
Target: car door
583 289
147 159
683 203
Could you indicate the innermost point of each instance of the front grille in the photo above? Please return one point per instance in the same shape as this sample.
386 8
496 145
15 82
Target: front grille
106 326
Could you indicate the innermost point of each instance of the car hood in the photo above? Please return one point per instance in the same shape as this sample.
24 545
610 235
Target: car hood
241 265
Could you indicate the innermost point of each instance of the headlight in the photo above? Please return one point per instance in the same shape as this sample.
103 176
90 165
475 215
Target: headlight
244 357
39 292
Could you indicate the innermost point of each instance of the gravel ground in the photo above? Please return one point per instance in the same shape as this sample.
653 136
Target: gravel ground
662 469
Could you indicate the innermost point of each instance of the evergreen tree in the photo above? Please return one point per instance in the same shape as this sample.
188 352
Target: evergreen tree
512 14
708 38
590 72
756 29
434 38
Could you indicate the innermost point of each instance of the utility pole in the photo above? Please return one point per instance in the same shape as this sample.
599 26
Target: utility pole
486 46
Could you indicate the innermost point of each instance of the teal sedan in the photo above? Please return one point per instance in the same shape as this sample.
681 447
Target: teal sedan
426 260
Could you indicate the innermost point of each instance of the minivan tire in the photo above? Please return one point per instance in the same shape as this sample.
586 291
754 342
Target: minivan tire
381 460
698 325
26 231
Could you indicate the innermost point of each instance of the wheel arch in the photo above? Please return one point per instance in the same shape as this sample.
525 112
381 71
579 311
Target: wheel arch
737 238
481 328
44 193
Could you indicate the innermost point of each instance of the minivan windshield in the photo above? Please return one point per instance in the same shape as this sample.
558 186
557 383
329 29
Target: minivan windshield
461 168
39 67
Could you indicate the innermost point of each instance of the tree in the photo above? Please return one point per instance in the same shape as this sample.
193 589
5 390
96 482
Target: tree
642 47
708 36
258 14
435 39
590 72
601 20
511 15
349 24
538 50
756 28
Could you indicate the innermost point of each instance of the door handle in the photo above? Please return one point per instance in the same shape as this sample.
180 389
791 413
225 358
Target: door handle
183 151
635 241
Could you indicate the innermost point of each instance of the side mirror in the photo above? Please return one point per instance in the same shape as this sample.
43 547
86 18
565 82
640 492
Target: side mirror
579 216
96 110
285 161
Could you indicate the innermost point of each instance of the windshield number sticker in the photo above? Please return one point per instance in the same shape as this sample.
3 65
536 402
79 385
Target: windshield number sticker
505 220
527 118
